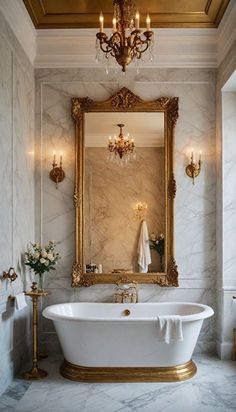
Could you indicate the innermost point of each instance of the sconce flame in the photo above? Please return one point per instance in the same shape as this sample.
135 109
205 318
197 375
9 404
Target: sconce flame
140 210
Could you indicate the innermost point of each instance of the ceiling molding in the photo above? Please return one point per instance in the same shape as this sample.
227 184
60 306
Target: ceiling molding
227 32
63 48
55 14
173 48
21 24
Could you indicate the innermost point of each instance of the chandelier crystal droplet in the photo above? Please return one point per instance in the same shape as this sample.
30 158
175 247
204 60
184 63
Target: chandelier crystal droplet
126 43
122 148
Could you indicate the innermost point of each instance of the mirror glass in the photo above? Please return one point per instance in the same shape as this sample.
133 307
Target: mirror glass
120 196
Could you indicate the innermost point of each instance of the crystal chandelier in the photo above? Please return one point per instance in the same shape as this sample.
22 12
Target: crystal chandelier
126 42
122 148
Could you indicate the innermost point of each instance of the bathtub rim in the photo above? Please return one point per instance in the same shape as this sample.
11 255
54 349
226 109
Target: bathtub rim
49 314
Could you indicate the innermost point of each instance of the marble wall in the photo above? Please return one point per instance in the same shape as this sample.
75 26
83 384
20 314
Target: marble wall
226 224
17 196
111 228
195 207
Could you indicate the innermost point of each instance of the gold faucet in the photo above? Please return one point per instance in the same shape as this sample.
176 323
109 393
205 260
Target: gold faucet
126 294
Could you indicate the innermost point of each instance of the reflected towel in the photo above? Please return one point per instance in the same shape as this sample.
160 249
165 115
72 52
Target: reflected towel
20 302
170 328
144 258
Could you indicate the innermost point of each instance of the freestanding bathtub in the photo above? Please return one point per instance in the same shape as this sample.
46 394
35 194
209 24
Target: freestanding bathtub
114 342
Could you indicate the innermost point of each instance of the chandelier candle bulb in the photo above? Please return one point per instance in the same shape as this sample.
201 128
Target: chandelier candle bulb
126 43
200 155
122 148
114 24
137 20
101 21
148 22
54 157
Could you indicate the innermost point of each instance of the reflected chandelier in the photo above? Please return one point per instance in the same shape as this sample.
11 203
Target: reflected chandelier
126 42
122 148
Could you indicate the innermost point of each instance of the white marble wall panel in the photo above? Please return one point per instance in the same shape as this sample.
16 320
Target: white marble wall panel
6 157
225 223
17 199
195 213
229 187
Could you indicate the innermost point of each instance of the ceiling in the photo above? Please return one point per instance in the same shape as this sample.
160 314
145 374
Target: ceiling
146 128
52 14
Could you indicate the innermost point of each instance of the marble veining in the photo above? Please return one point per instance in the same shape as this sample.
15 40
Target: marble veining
17 198
212 389
195 208
111 229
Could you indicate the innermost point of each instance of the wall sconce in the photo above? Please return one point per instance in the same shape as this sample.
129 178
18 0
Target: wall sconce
194 169
140 210
10 275
57 174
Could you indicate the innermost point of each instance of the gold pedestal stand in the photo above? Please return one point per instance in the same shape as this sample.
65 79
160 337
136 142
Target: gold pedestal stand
35 372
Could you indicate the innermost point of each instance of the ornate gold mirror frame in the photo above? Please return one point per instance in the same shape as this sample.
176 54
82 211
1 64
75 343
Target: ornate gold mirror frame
125 101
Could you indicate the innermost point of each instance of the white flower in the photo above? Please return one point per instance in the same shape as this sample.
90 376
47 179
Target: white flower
161 236
46 263
50 257
44 253
36 255
157 241
42 260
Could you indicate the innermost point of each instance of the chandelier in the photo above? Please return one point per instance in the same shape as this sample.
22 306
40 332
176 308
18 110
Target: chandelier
122 148
126 43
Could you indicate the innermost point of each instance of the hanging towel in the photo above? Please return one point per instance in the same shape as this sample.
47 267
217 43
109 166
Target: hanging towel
20 302
170 328
144 258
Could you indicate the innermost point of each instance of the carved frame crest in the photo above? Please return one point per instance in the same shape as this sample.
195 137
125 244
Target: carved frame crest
125 101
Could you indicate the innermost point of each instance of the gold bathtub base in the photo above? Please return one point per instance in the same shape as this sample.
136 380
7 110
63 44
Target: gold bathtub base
162 374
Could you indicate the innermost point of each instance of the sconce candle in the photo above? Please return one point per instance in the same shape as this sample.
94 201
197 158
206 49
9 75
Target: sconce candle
148 22
140 210
194 169
137 20
114 24
57 174
101 20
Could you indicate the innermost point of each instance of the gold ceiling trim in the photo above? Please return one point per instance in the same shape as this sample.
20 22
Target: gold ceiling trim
52 14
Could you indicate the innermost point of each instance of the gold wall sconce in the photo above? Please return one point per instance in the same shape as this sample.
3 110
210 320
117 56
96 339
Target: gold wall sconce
9 275
140 210
57 174
193 169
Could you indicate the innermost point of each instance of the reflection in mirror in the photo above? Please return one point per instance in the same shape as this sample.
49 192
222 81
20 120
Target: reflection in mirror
122 193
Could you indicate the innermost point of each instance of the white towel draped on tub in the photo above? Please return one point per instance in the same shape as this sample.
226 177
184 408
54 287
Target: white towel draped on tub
144 258
170 328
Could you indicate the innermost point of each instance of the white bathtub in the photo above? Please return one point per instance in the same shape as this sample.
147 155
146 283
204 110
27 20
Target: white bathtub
99 335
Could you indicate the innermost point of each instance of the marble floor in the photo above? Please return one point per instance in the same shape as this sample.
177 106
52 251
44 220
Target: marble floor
212 389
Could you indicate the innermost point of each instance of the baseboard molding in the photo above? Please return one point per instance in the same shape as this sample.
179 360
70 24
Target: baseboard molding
224 350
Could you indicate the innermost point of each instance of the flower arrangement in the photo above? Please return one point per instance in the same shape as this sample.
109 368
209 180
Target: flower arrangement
158 243
42 259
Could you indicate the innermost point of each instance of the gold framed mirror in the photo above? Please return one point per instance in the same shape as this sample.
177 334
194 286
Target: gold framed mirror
122 103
